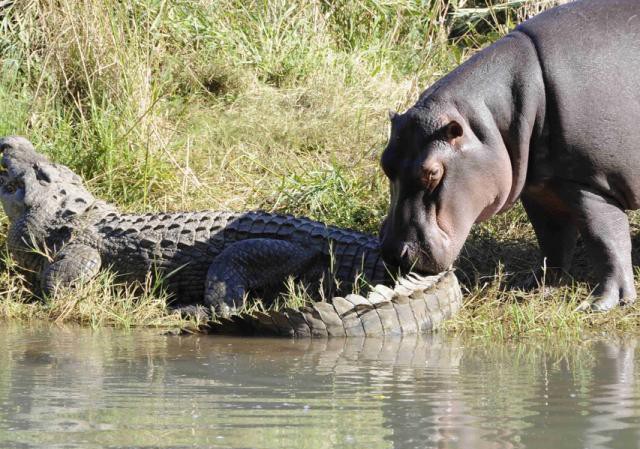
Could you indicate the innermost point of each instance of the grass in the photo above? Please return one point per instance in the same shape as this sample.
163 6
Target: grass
102 302
496 310
279 105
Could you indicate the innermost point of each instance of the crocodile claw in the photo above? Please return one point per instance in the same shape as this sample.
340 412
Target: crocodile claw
223 310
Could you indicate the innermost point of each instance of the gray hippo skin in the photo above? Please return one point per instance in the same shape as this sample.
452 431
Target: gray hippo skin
63 236
549 114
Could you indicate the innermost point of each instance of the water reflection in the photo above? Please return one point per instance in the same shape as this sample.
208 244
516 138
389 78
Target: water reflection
69 387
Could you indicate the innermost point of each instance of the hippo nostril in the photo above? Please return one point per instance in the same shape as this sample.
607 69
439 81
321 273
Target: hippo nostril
407 259
404 252
395 253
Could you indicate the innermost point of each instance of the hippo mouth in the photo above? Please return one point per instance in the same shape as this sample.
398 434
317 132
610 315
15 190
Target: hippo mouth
422 262
415 257
423 254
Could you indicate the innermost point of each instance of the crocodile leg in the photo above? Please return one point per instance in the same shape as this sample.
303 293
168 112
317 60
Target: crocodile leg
72 264
252 264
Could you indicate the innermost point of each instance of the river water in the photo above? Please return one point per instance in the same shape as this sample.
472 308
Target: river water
64 387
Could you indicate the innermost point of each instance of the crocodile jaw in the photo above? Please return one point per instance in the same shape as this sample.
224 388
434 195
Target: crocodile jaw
31 184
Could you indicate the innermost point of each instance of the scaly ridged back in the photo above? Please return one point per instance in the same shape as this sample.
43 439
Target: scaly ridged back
415 305
171 240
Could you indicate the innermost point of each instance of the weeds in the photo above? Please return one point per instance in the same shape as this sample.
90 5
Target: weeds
100 302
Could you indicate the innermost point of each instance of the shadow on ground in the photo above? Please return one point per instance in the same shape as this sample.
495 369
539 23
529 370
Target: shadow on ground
488 252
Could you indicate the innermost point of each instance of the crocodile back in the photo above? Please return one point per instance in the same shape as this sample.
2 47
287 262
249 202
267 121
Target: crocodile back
181 246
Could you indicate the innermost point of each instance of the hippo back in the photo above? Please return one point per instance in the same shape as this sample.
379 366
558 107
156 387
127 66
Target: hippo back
589 52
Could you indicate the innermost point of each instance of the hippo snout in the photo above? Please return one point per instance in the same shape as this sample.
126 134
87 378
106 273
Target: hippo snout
412 249
409 257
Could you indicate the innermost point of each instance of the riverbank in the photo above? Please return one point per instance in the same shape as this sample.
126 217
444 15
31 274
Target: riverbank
276 105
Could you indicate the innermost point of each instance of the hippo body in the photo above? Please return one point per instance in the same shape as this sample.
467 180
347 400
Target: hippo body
549 114
590 59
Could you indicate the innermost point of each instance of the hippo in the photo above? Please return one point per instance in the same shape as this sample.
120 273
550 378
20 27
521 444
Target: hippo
548 115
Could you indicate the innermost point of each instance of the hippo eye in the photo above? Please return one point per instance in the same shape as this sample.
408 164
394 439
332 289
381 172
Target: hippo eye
9 188
432 176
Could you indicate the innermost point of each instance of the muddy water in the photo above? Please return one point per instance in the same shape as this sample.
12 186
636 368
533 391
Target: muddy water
70 387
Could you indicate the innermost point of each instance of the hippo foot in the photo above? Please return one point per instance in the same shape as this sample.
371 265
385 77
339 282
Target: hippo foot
600 303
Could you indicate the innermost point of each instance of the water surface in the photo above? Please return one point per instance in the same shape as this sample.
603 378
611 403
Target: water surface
72 388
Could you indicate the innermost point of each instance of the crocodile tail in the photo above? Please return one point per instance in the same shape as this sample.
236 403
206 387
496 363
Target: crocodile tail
416 304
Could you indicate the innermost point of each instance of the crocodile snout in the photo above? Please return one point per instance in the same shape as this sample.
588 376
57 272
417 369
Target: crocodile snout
15 142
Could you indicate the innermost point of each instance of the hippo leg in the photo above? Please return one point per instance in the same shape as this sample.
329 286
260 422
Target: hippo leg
557 236
253 264
605 231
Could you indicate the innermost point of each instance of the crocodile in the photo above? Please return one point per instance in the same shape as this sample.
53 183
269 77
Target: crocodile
62 235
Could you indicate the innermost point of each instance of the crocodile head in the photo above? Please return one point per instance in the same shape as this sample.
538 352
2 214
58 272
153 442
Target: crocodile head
30 183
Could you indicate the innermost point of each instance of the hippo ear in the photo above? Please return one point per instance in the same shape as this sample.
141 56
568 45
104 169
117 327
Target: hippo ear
453 130
392 115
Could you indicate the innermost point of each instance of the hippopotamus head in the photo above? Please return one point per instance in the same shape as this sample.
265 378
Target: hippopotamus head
445 174
30 183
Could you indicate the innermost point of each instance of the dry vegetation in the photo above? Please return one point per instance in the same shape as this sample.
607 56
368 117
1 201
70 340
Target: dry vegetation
279 105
